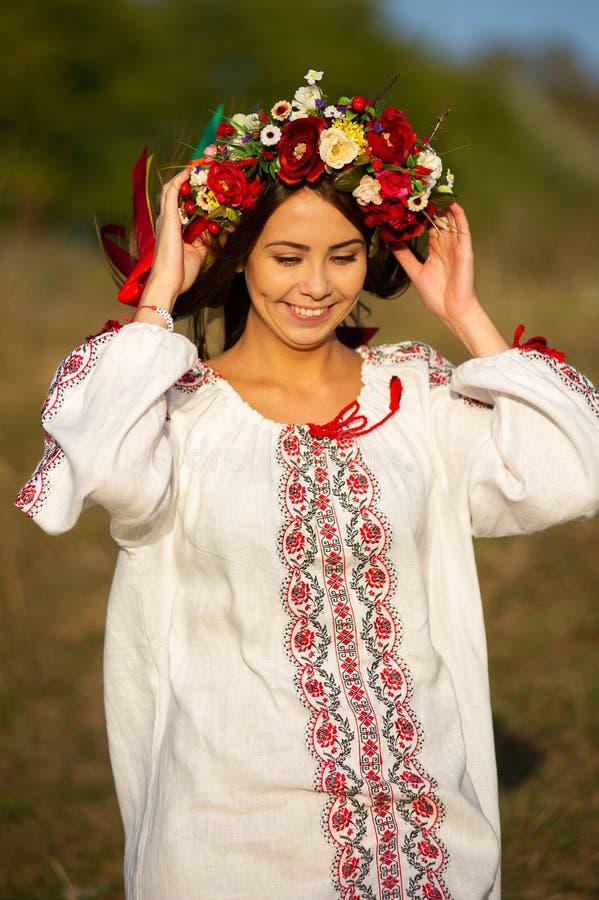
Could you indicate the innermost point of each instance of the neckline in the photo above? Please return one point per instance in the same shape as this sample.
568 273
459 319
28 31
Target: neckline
363 351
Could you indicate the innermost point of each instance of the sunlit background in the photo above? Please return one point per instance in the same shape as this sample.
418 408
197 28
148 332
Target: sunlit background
83 87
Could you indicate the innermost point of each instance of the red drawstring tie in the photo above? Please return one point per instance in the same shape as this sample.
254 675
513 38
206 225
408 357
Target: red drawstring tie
350 421
538 343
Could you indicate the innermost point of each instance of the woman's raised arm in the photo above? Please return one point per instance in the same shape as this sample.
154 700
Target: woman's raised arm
445 282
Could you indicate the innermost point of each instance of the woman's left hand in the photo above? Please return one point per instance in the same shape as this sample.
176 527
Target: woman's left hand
445 282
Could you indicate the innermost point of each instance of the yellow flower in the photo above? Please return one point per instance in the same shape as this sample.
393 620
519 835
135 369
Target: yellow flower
353 131
206 200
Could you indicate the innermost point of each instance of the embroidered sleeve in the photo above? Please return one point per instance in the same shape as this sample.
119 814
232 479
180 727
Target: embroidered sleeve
530 459
106 440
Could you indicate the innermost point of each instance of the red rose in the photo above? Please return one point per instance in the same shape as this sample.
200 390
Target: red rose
404 728
315 688
423 808
376 578
397 223
300 592
426 848
350 867
391 679
304 639
336 782
225 130
396 185
298 150
391 137
326 734
357 484
341 818
370 532
295 541
230 186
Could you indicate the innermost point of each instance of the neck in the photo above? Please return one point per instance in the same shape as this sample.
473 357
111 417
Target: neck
266 355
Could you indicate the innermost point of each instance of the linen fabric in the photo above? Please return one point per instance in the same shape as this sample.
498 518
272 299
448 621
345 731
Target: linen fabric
296 682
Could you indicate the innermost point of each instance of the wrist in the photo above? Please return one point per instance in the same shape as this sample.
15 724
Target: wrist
475 329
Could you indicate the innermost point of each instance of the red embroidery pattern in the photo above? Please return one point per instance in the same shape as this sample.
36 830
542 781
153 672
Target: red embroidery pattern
196 378
439 371
381 823
34 493
74 369
571 378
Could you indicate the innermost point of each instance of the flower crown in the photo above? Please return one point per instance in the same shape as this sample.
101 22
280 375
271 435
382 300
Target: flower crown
366 149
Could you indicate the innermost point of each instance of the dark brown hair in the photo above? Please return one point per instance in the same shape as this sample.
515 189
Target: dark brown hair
220 284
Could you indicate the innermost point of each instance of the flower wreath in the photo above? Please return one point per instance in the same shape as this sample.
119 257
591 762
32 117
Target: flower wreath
368 149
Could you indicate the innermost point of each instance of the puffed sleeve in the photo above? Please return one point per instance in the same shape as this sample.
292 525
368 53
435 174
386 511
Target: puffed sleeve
106 440
519 436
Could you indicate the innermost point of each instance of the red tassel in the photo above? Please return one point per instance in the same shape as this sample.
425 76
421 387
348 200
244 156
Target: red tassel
350 422
537 343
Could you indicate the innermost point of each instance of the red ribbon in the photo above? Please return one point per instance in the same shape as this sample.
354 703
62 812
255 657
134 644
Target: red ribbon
538 343
351 422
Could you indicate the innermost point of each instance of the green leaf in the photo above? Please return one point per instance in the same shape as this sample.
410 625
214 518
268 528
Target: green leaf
349 179
442 196
374 243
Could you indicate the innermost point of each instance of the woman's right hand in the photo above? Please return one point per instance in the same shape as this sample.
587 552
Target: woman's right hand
176 263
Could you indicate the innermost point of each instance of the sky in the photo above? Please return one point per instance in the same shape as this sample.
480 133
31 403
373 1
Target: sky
467 27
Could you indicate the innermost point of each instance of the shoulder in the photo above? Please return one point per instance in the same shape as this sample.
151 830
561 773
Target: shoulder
414 354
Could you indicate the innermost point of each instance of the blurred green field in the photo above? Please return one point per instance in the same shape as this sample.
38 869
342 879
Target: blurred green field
61 829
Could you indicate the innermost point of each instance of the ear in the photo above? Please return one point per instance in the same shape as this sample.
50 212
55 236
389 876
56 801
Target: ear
240 267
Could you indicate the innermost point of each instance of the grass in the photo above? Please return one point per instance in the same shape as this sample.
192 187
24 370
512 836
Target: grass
62 836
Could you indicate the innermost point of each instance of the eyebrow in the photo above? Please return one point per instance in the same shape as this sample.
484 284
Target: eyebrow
306 247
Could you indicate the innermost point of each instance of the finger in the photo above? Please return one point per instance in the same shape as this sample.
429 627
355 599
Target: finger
172 187
408 261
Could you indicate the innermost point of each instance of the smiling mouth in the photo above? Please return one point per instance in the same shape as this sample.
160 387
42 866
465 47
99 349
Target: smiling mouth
305 312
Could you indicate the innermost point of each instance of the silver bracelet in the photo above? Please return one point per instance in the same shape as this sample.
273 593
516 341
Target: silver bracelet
164 313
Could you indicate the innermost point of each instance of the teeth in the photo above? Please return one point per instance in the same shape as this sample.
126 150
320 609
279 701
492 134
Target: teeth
309 313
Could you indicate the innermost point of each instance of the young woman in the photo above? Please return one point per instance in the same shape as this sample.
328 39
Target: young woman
295 667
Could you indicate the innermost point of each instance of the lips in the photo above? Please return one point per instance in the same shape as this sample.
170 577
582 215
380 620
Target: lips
314 313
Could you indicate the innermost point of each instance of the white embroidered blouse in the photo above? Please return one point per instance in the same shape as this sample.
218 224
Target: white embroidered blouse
295 666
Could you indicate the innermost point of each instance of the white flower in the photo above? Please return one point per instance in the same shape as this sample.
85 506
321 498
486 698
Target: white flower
298 114
368 191
253 122
306 97
336 148
429 159
331 112
450 179
198 177
183 216
245 123
312 76
418 202
270 135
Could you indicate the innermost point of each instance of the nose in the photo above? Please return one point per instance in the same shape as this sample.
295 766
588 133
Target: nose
315 283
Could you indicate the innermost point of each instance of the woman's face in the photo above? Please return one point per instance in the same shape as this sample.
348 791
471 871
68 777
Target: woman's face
306 271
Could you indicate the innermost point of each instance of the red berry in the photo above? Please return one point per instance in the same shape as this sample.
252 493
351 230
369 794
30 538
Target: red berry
185 189
358 103
213 227
189 207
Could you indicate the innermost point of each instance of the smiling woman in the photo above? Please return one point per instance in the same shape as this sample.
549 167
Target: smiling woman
295 667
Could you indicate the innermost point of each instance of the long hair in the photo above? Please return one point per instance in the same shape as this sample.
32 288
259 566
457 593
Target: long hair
221 284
